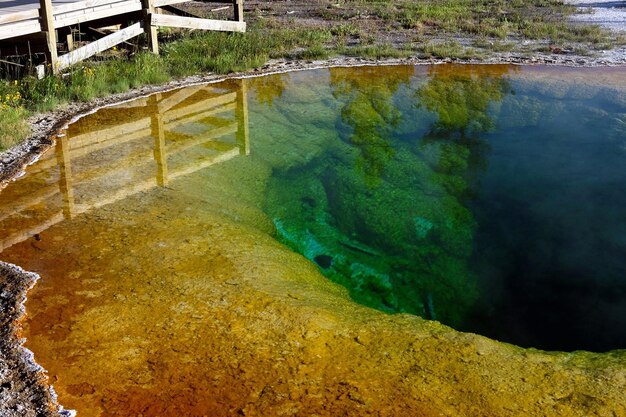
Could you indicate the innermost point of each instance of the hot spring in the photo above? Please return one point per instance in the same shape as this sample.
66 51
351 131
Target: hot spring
489 198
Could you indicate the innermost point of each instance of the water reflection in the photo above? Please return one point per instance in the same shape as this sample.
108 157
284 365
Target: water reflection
124 150
157 270
461 97
103 219
268 87
370 113
465 100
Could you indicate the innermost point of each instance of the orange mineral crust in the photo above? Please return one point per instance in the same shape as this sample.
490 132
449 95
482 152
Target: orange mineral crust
243 326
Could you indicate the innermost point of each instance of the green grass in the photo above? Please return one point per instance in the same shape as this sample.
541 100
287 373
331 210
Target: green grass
498 19
449 49
13 126
377 51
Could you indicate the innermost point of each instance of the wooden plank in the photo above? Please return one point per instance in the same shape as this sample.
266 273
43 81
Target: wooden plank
160 153
13 30
205 104
79 5
241 114
12 63
100 45
134 160
141 157
177 98
98 146
204 163
118 195
77 12
47 161
109 133
210 136
65 182
70 41
29 200
129 7
192 118
23 235
161 3
199 116
24 23
19 16
194 23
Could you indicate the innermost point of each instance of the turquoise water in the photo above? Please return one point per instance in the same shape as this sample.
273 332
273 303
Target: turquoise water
489 198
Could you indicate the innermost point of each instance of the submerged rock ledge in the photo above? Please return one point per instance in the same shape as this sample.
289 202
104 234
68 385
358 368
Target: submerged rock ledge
285 340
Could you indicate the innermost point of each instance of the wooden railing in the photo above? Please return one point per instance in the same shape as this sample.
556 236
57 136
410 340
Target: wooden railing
92 169
46 17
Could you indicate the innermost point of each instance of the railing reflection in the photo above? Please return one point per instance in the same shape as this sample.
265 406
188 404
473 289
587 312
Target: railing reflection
123 150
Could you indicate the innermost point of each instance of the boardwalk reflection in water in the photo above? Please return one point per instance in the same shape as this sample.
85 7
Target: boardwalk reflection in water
100 160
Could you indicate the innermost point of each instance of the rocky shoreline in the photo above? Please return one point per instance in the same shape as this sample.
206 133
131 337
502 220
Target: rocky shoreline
24 389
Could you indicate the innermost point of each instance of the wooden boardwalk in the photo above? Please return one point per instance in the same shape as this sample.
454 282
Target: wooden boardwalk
19 18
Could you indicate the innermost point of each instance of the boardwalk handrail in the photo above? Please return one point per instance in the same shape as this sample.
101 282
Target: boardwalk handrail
46 17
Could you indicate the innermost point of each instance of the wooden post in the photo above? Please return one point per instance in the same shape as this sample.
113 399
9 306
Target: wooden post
241 114
151 31
158 133
70 41
238 6
47 27
65 182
